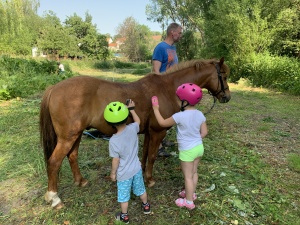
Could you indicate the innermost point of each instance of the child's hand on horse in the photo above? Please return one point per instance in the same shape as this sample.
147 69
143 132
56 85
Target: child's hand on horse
130 103
155 104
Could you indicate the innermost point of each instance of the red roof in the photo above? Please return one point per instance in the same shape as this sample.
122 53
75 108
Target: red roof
156 37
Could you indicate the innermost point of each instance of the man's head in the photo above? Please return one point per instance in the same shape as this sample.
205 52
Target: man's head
174 31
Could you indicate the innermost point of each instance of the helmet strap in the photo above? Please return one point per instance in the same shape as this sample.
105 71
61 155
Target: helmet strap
184 105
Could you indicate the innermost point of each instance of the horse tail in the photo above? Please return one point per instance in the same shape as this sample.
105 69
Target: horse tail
48 137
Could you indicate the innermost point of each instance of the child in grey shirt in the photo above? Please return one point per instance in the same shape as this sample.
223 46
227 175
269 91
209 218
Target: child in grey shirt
123 148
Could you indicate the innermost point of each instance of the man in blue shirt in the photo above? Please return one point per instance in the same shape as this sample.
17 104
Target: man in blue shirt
164 56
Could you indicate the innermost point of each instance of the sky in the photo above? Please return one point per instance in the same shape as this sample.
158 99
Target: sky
107 15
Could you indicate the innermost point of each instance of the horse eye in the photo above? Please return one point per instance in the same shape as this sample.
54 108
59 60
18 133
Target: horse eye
110 109
119 108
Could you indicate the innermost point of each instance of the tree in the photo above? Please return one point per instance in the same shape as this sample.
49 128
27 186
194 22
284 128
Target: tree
286 33
90 42
190 15
18 20
137 37
189 45
54 39
235 29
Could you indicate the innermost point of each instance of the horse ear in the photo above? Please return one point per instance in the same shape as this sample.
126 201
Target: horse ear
221 61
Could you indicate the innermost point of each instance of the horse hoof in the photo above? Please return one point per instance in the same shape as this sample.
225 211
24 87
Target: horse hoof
59 206
81 183
151 183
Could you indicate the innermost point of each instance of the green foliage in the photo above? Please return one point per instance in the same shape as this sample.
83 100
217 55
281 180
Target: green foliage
137 37
104 65
55 39
188 47
286 32
246 164
22 77
119 65
235 29
263 70
294 161
90 43
141 71
122 65
18 26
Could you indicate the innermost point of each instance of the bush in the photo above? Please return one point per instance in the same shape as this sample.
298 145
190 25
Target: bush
119 65
123 65
264 70
24 77
141 71
104 65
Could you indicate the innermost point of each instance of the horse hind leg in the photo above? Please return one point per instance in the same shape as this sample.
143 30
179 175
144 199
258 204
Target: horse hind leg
73 160
63 148
52 196
53 165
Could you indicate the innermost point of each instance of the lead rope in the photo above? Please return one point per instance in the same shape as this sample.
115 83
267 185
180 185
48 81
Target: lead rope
213 105
222 89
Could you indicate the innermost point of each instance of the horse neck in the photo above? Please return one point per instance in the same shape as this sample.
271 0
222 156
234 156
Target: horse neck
193 74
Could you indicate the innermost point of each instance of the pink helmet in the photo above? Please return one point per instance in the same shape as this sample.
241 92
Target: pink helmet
189 92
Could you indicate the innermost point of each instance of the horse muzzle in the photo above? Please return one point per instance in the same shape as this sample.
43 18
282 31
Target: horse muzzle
224 99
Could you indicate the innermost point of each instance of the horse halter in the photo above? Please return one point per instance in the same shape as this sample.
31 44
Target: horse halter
223 89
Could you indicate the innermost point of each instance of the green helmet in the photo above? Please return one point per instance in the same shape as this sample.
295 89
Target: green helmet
116 113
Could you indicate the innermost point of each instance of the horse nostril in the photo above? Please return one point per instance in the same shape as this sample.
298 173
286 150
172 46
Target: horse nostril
225 99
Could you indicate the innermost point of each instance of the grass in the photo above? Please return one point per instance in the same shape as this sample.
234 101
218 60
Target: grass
294 161
251 157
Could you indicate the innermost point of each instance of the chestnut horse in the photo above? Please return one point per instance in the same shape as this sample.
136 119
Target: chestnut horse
75 104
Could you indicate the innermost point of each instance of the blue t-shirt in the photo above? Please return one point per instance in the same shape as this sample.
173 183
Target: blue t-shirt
166 54
188 128
125 146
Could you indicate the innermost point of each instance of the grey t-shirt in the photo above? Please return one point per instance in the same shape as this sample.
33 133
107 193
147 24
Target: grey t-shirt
125 146
188 128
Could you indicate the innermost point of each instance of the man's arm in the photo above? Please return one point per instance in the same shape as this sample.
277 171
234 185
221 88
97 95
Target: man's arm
156 66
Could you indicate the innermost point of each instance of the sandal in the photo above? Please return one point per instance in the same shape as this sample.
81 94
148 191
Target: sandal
181 202
183 195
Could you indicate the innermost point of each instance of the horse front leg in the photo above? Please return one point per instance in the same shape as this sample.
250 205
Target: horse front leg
73 160
145 151
154 141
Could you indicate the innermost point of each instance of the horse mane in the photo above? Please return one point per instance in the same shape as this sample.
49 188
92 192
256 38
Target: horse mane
186 64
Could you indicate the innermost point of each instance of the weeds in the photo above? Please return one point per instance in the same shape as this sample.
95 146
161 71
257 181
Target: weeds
294 161
23 78
249 173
